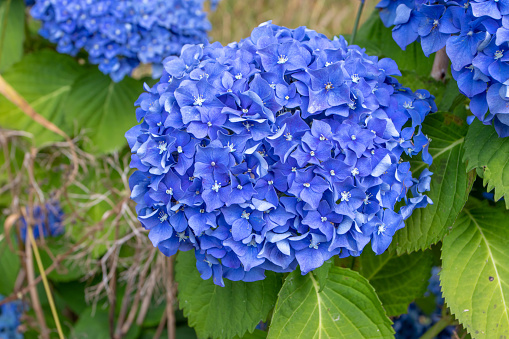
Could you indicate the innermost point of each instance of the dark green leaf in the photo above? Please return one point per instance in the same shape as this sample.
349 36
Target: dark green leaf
94 323
450 184
223 312
377 39
488 153
475 270
398 280
346 308
44 79
12 34
104 109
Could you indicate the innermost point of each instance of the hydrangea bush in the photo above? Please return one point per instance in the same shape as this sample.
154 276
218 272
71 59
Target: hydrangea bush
475 35
288 185
119 35
283 149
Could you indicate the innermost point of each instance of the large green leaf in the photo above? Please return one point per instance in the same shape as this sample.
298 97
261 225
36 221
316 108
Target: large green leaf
104 109
346 308
223 312
12 32
488 153
398 280
44 79
475 271
94 323
377 39
450 184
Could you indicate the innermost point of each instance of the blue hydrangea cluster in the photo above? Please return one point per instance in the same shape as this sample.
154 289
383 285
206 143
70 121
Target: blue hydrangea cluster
416 322
284 149
119 35
475 34
10 314
47 220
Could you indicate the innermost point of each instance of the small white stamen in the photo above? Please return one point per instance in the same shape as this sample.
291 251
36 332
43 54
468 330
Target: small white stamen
323 219
355 171
245 215
198 101
239 187
381 229
355 78
162 147
282 59
345 196
169 191
179 149
216 187
332 172
307 185
162 216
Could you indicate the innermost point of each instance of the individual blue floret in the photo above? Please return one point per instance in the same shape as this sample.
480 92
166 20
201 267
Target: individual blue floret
280 150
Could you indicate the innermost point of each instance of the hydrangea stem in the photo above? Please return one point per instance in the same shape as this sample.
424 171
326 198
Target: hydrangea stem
433 331
440 65
357 20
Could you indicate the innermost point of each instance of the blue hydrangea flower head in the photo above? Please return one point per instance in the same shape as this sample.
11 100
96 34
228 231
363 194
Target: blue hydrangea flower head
476 37
47 220
10 314
281 150
119 35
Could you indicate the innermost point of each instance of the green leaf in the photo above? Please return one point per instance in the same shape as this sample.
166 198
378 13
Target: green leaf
450 184
44 79
377 39
346 308
223 312
475 270
322 273
67 270
12 32
398 280
9 267
94 323
103 108
488 153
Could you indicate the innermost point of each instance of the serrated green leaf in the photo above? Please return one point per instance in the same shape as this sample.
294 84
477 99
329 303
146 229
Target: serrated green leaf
486 152
103 108
346 308
450 185
377 39
12 32
398 280
44 79
223 312
475 270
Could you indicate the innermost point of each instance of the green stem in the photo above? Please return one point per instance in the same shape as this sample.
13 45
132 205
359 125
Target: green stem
438 327
356 24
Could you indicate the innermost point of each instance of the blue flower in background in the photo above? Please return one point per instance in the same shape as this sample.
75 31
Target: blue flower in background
416 322
10 314
47 220
476 36
281 150
119 35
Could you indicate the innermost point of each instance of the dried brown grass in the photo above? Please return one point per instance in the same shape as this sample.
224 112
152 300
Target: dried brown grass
235 19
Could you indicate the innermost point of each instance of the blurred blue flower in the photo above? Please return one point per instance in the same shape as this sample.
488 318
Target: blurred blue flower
119 35
10 314
47 220
283 149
